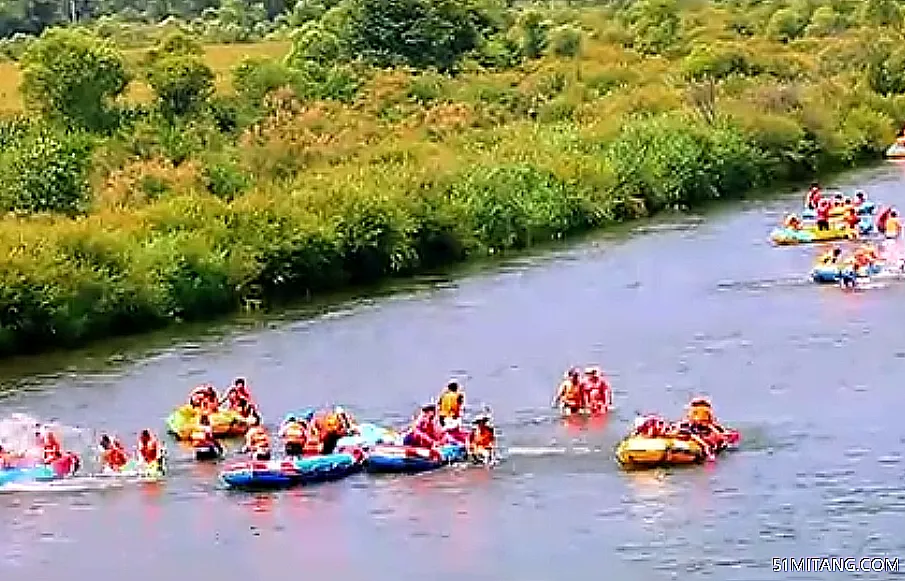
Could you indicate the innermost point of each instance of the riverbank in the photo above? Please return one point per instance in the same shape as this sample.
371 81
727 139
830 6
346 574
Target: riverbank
386 173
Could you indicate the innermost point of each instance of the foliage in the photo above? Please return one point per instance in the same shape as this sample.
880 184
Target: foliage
381 138
72 78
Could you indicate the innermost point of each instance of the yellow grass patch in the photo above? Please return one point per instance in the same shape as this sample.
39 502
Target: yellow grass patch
222 58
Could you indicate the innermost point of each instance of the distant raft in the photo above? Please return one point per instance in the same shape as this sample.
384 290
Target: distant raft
832 273
640 452
808 234
225 423
412 459
289 472
897 149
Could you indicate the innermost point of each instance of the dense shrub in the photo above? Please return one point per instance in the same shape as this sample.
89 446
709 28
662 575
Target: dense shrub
218 181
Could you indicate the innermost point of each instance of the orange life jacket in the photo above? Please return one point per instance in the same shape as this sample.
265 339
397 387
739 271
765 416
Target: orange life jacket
482 437
572 394
700 414
294 433
257 439
115 456
333 425
893 227
450 405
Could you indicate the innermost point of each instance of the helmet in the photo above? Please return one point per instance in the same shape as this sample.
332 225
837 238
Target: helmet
307 415
339 410
145 434
453 385
639 421
239 381
592 371
429 407
573 372
289 418
699 401
482 419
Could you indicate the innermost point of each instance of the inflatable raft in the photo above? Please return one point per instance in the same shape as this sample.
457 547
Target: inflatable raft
411 459
226 423
832 274
897 149
28 471
139 469
644 452
287 472
807 235
638 452
368 436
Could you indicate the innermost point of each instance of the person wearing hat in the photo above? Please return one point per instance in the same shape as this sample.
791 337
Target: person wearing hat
426 431
450 405
482 439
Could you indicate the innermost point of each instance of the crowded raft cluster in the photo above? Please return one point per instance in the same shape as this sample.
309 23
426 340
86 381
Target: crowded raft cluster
836 219
320 445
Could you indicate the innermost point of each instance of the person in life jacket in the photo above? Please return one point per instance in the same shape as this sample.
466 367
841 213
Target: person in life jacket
202 435
238 390
792 222
346 420
852 220
651 426
482 439
148 447
294 434
8 459
332 429
599 394
813 197
571 395
113 454
426 431
248 411
51 449
823 215
700 418
830 258
257 443
450 404
202 395
893 226
683 431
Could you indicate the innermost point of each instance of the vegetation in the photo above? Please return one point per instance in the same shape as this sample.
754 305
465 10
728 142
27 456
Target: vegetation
143 187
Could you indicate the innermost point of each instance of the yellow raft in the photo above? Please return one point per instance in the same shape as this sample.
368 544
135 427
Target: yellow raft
643 452
225 423
808 234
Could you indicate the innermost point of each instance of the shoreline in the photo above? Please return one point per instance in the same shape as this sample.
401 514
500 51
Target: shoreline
272 308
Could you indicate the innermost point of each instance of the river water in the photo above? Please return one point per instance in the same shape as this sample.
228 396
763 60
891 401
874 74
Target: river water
680 306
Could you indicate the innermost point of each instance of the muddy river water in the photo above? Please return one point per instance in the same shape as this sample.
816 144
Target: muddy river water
680 306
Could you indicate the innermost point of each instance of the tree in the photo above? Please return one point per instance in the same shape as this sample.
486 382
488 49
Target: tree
73 77
178 74
182 84
420 33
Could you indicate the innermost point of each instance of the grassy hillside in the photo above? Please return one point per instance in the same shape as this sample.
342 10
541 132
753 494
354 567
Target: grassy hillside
356 159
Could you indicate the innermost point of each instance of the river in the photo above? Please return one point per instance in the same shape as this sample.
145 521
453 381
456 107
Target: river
676 307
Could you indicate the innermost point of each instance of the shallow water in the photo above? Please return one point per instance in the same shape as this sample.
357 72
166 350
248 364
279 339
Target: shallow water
700 304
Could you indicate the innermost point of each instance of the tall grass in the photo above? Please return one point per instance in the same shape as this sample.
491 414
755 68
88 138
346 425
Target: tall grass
416 170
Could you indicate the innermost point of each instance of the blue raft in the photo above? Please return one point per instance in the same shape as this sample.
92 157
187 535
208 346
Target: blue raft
288 472
30 474
368 436
410 459
833 274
